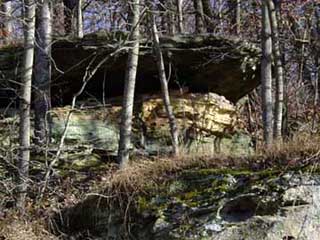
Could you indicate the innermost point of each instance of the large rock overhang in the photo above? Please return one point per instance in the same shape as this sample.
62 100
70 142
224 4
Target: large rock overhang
201 63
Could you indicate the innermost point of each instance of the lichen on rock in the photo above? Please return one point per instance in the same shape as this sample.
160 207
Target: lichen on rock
201 118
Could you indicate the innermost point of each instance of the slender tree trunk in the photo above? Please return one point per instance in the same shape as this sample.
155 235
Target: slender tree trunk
238 17
207 10
24 127
199 16
42 73
79 20
69 12
266 75
162 15
235 8
129 88
278 115
164 88
317 15
171 17
179 4
315 79
7 27
220 15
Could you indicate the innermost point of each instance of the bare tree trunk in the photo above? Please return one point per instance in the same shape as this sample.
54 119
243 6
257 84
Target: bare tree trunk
315 78
162 15
317 15
171 17
164 88
207 10
7 27
266 75
199 16
24 127
179 4
42 73
278 114
129 88
79 20
238 17
235 8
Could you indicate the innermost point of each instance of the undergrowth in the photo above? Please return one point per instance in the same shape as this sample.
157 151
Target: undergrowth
299 152
143 175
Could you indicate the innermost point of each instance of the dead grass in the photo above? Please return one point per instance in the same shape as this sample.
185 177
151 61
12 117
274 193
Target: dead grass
13 228
302 149
297 153
143 175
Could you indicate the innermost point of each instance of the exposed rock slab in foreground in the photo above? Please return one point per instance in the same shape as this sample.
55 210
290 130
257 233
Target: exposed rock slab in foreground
202 63
208 204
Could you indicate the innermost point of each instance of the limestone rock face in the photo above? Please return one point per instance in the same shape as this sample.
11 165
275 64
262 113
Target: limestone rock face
207 113
96 127
201 118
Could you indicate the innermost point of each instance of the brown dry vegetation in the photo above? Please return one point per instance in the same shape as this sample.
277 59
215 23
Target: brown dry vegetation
300 153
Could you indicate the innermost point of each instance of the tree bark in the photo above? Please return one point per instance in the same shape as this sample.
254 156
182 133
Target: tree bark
207 10
171 18
317 15
129 88
278 115
79 20
164 88
42 73
199 16
238 17
235 8
24 127
6 28
266 76
179 4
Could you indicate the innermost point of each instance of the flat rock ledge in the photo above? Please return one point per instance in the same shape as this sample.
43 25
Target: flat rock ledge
207 204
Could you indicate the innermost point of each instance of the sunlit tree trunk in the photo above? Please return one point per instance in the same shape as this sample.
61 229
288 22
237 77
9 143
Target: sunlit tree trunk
266 75
238 17
79 20
129 88
6 28
278 115
42 72
165 89
179 4
26 78
199 16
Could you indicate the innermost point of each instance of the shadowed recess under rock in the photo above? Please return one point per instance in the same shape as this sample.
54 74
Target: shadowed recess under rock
202 63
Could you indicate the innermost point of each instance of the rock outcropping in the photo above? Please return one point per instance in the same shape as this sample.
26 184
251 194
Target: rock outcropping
209 204
201 119
203 63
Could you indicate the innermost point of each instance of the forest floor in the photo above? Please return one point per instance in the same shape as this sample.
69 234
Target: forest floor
63 191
